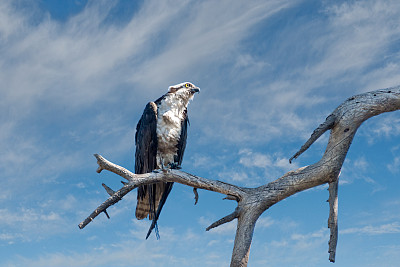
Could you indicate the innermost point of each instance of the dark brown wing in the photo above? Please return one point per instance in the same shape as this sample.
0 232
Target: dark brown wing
182 140
146 155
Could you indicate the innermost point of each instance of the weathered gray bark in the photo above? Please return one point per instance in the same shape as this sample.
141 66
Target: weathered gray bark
252 202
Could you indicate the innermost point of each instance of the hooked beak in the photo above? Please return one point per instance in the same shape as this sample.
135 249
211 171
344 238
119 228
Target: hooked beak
195 90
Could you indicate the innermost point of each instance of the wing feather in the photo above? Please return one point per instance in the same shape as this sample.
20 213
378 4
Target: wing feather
182 140
146 155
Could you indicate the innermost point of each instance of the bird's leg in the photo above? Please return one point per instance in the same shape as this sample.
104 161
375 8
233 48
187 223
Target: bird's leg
162 163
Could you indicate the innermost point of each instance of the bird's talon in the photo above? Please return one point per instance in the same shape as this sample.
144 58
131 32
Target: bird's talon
174 166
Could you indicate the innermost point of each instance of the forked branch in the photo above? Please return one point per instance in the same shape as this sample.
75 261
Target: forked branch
166 175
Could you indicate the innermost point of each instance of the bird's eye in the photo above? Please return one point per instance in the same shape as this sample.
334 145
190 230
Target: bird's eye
187 85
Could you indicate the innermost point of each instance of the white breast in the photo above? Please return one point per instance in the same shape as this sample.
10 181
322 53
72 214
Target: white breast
170 115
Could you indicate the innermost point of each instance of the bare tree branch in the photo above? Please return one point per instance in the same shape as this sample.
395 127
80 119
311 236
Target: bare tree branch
117 196
167 175
327 125
226 219
252 202
108 190
332 221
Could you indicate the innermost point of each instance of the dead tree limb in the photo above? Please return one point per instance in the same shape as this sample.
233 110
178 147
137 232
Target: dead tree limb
332 220
252 202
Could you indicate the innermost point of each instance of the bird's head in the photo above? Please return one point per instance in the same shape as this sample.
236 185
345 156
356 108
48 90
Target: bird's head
184 90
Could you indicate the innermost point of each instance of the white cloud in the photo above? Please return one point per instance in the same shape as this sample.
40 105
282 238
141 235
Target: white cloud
175 248
347 51
248 65
385 126
355 41
394 167
361 164
271 163
27 224
212 33
304 249
251 159
354 169
305 237
75 63
250 168
265 222
391 228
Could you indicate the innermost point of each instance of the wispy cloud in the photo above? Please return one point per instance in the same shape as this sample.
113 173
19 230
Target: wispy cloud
394 167
357 169
354 41
51 71
250 159
346 54
173 249
28 224
391 228
272 165
298 245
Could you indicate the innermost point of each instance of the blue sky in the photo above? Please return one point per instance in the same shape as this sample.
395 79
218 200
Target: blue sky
76 75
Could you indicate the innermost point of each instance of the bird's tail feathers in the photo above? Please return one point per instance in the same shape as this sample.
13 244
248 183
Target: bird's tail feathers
160 204
142 207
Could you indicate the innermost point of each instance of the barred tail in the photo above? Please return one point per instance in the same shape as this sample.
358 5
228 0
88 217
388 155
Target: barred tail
151 198
142 207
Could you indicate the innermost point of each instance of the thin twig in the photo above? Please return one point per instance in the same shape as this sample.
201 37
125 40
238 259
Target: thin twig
322 128
196 195
109 190
226 219
117 196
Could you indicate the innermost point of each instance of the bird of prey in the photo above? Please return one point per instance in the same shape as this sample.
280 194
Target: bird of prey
160 143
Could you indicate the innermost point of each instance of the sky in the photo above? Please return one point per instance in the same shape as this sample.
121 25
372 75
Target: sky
75 76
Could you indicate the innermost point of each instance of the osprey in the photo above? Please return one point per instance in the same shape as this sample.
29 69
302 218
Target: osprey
160 143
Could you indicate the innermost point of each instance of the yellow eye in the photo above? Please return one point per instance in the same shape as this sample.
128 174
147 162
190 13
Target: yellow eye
187 85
